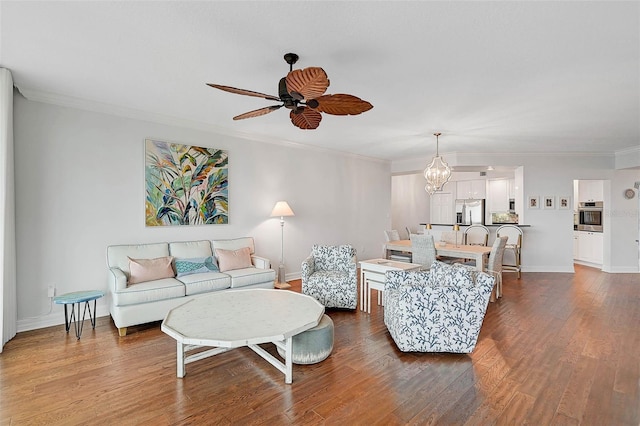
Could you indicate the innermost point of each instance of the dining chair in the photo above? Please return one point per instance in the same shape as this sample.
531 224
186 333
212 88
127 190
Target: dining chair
514 245
392 235
400 256
476 235
424 250
409 232
494 264
450 237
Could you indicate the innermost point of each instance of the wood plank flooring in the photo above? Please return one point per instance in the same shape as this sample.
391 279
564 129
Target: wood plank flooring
556 349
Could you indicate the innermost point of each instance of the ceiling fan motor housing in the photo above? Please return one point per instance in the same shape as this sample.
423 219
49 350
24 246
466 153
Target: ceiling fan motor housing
285 97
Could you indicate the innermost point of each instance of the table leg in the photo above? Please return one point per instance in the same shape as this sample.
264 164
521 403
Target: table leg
180 360
67 320
93 318
80 323
75 317
288 360
361 289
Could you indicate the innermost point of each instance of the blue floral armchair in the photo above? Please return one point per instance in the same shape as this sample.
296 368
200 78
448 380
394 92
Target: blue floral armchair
329 275
436 311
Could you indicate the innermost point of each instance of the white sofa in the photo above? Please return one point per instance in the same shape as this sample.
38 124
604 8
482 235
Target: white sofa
148 301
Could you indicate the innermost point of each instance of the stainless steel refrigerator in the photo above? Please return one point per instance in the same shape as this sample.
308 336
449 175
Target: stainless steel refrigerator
470 212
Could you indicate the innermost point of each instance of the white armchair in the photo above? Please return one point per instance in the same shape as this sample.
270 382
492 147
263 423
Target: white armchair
329 275
437 311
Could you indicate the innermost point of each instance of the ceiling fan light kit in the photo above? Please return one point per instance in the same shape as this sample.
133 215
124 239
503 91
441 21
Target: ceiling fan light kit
302 92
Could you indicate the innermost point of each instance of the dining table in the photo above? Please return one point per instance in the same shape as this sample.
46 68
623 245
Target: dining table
478 253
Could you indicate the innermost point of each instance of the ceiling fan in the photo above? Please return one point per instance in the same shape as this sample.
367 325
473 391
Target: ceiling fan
302 91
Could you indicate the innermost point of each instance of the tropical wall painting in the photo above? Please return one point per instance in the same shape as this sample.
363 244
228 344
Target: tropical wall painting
185 185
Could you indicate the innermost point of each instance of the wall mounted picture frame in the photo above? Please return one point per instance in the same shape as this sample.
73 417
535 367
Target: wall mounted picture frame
534 202
185 185
549 202
564 202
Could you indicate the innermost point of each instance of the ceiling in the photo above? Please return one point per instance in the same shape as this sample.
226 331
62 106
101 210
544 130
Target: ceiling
523 77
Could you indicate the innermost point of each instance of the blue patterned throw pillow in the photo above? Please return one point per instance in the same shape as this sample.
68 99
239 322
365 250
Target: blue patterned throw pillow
196 265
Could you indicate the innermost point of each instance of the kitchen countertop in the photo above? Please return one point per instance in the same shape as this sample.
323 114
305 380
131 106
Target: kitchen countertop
495 225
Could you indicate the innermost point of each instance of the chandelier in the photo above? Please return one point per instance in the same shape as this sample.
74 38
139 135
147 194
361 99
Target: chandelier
437 172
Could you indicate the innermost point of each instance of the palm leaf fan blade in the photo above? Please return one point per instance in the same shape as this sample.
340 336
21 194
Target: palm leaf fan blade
305 118
243 92
257 112
342 104
309 82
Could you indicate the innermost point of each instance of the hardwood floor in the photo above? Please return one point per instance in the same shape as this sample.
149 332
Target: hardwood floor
556 349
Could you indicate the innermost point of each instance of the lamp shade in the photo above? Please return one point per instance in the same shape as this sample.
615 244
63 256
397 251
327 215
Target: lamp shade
282 209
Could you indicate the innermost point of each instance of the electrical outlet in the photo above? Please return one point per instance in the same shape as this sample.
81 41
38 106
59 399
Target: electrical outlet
51 291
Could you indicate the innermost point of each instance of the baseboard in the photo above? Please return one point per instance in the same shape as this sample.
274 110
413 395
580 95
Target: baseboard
294 276
622 270
554 268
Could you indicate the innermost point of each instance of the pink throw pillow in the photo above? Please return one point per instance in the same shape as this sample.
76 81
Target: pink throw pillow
141 270
233 259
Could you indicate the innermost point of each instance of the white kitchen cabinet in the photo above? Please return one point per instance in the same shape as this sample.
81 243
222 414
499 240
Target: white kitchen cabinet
512 188
590 190
587 247
471 189
498 198
442 208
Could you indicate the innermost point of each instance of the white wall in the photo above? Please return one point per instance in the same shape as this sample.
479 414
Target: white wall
409 202
548 242
80 187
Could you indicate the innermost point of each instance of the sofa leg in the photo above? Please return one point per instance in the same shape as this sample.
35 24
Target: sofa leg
122 331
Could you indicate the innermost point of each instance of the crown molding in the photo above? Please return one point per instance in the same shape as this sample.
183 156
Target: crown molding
538 154
135 114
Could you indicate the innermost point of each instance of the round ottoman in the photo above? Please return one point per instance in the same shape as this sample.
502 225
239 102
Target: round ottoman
313 345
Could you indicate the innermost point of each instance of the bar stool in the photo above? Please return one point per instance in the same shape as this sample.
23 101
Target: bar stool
476 235
514 244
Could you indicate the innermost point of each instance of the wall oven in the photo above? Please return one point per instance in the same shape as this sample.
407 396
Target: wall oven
590 216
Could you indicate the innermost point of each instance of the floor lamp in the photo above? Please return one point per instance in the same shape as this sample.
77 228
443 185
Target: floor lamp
282 209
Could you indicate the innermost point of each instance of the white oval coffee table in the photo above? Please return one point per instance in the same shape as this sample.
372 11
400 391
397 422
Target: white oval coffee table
236 318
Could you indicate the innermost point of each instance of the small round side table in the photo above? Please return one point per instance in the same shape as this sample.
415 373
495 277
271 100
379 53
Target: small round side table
78 297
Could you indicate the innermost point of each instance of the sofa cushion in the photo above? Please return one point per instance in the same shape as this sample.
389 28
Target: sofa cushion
118 256
208 281
149 291
234 244
189 249
195 265
250 276
229 260
142 270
